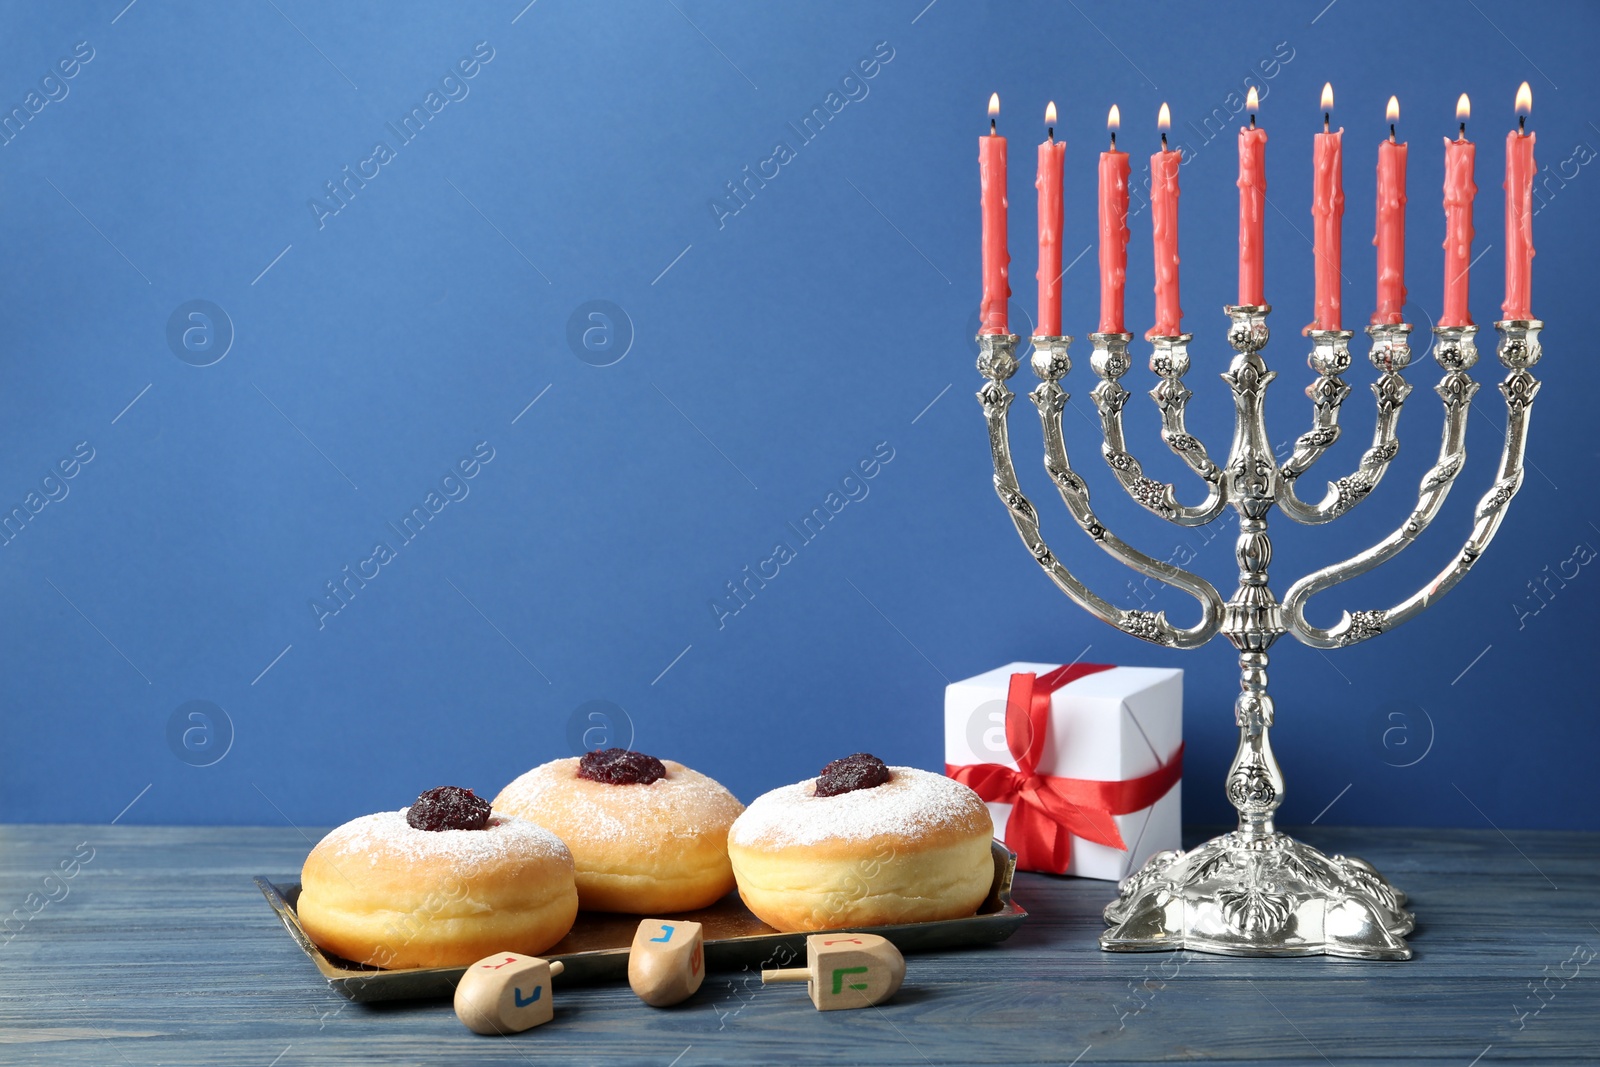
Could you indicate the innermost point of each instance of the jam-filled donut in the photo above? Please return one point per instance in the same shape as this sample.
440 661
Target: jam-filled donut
442 883
649 836
863 844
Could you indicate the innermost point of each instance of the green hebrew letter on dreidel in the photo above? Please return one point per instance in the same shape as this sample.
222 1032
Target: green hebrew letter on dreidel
838 978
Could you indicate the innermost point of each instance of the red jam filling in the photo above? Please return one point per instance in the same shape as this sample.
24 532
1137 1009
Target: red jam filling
860 771
619 766
449 807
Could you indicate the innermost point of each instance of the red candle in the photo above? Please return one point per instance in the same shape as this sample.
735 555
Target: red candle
1519 213
1252 205
1048 182
1459 189
996 260
1113 230
1164 233
1390 237
1327 217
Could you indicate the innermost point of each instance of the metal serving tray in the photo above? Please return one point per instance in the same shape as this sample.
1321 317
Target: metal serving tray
597 948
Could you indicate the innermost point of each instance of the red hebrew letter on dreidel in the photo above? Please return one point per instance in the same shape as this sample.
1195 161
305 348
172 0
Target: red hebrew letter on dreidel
846 970
666 963
506 993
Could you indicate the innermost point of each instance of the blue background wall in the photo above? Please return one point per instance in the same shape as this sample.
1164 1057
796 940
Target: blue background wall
764 353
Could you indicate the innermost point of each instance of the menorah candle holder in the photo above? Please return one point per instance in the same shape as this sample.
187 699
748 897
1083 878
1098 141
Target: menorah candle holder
1256 891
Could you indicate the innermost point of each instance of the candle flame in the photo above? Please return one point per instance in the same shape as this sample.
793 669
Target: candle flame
1114 118
1164 120
1327 96
1252 102
1392 112
1463 108
1524 99
1050 113
994 104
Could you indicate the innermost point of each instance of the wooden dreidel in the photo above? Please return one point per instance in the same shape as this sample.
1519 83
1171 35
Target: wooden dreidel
845 970
506 993
667 962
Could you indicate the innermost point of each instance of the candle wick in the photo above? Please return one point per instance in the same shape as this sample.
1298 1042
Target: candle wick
1113 140
1325 118
1522 123
1163 140
1051 131
1463 136
1391 133
991 127
1252 120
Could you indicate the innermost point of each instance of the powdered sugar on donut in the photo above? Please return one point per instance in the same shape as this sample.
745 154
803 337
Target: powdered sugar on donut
386 834
910 803
685 803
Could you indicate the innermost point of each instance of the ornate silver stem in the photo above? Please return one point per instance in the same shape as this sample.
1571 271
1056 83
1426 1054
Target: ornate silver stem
1256 891
1252 620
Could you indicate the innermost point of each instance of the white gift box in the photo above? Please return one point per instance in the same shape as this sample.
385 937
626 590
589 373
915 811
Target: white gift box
1112 725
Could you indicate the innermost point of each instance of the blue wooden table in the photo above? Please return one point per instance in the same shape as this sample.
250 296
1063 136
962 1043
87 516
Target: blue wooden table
144 945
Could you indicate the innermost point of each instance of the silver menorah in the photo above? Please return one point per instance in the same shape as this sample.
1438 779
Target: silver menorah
1256 891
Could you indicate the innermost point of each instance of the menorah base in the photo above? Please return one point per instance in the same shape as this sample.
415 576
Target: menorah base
1263 896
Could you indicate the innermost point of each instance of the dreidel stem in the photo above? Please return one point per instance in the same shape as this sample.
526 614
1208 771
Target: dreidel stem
556 967
786 974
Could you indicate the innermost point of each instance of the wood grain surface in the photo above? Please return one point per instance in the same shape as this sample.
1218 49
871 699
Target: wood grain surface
157 948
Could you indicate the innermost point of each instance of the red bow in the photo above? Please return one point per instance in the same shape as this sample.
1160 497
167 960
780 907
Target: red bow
1048 812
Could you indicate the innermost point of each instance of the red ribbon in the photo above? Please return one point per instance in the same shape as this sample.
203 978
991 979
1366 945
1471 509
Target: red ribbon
1048 812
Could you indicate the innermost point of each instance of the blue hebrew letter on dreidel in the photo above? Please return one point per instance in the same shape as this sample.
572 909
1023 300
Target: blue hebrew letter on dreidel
838 978
489 998
668 968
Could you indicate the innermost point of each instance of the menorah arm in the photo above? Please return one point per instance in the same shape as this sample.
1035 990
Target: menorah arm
1330 356
1171 361
1518 350
997 362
